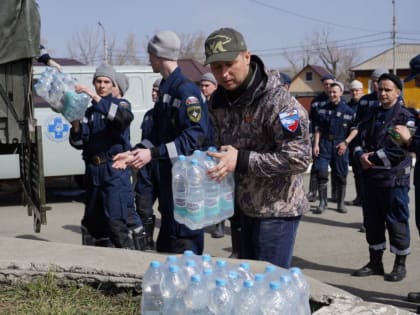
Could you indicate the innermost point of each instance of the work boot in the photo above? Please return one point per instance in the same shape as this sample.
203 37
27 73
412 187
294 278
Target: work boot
414 297
373 267
235 234
398 271
313 183
139 238
356 202
322 199
219 230
149 227
341 194
87 238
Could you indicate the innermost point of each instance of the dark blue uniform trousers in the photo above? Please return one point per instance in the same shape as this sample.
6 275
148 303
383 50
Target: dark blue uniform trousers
387 208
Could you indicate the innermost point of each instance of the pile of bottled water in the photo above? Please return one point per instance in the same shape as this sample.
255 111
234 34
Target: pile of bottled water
191 284
198 200
57 89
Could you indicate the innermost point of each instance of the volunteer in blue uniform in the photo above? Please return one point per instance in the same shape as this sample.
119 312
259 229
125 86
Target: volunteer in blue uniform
180 125
103 133
413 144
134 222
145 187
386 164
317 103
333 133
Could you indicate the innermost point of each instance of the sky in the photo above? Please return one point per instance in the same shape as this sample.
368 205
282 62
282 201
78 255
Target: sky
268 26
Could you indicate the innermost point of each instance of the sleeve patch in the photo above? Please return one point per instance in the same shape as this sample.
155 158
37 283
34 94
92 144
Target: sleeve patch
194 113
290 120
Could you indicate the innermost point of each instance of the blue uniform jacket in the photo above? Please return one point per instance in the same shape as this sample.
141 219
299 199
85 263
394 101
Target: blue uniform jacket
104 129
392 160
181 121
335 121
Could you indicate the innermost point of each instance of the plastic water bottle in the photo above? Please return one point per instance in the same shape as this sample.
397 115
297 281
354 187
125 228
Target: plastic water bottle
221 299
211 194
260 285
220 269
270 273
206 262
208 279
179 188
196 298
227 189
172 286
151 299
244 271
190 268
290 292
171 260
303 289
246 301
275 302
195 196
233 283
190 255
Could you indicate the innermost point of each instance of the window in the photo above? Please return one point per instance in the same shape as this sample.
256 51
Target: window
308 76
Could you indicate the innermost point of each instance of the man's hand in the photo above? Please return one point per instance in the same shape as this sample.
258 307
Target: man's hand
315 150
140 157
227 162
122 160
341 148
404 133
364 160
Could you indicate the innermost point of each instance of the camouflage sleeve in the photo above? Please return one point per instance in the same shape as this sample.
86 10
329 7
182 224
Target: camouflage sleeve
291 154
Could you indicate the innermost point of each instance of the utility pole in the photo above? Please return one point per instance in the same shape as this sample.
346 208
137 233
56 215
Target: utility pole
105 44
394 35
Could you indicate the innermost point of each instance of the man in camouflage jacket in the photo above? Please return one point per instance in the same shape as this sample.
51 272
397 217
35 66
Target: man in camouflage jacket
263 134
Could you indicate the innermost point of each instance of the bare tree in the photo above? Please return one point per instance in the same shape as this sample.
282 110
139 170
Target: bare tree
321 50
86 46
127 54
192 46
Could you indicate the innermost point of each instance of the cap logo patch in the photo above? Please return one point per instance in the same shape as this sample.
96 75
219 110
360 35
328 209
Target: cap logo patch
290 120
216 44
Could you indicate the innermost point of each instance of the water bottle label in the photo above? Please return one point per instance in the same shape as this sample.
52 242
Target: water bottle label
227 201
212 206
195 210
179 206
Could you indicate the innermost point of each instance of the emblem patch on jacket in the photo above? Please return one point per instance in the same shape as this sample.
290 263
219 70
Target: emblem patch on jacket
193 108
290 120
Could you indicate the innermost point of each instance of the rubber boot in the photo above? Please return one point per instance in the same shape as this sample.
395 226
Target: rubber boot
341 194
139 238
149 227
398 271
219 230
323 203
236 242
313 185
373 267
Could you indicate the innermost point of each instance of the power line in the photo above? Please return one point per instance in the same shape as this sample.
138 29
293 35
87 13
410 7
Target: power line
270 6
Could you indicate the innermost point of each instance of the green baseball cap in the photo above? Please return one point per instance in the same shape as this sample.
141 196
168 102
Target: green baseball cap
224 44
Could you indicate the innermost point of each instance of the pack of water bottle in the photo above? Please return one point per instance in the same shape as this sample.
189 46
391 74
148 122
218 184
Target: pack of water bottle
192 284
198 200
57 89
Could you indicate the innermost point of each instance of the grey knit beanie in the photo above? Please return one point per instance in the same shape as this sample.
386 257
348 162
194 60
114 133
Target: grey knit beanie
105 71
165 44
122 82
208 77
